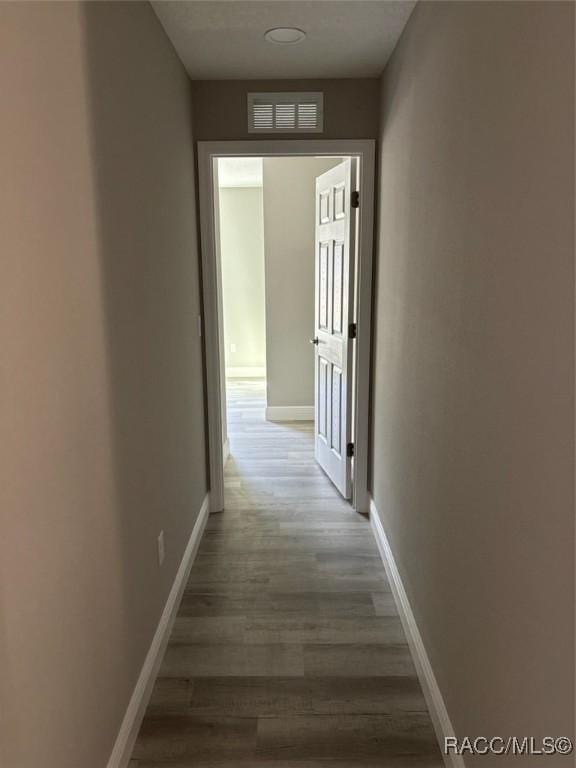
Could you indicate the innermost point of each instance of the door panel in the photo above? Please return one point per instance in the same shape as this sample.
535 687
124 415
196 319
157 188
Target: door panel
323 285
322 405
336 403
339 193
333 349
324 207
337 283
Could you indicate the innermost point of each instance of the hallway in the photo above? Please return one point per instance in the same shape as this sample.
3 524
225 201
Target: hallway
287 649
138 141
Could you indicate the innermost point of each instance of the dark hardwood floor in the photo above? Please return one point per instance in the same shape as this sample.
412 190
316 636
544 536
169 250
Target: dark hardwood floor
287 651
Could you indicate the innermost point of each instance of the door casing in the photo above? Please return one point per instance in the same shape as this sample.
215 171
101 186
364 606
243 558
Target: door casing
208 154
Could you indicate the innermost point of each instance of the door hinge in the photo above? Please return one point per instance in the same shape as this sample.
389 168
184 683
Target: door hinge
352 330
350 450
355 199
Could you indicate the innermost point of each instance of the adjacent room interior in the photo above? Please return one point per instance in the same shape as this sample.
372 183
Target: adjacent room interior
265 215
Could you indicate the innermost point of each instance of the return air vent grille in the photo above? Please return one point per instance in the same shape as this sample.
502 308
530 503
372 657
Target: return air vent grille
263 116
285 112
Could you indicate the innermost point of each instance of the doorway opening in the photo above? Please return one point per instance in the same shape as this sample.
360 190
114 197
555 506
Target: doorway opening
241 278
286 249
267 260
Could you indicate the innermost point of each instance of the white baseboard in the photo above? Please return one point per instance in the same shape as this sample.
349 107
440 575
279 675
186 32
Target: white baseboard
432 693
225 451
122 751
290 413
246 372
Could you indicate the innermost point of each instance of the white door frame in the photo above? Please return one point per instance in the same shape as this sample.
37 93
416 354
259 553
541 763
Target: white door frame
364 150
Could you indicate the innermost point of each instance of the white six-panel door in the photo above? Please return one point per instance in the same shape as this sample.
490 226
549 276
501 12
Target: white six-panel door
334 300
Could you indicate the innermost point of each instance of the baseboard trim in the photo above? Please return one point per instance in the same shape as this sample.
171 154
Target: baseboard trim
225 451
438 712
122 751
290 413
246 372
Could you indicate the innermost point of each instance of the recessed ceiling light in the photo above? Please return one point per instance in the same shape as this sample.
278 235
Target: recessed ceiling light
285 35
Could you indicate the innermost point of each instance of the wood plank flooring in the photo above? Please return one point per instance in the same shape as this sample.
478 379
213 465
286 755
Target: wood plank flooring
287 651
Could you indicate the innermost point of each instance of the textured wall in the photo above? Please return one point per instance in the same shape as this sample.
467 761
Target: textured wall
102 439
289 236
472 461
350 107
242 255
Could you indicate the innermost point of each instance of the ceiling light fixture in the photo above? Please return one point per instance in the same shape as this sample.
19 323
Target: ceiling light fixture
285 35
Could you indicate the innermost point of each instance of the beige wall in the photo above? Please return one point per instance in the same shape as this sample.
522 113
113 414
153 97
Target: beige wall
102 438
472 465
242 256
350 107
289 232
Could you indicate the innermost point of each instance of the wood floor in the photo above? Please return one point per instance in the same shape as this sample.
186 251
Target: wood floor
287 651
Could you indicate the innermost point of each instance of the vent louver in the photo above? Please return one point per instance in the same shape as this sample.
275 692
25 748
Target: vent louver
263 116
285 112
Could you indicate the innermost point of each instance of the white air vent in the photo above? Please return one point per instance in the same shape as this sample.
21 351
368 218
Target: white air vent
285 112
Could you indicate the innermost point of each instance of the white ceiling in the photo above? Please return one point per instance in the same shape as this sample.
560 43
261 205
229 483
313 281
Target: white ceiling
224 39
240 172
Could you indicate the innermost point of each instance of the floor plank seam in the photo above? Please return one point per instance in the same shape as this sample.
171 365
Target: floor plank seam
287 651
